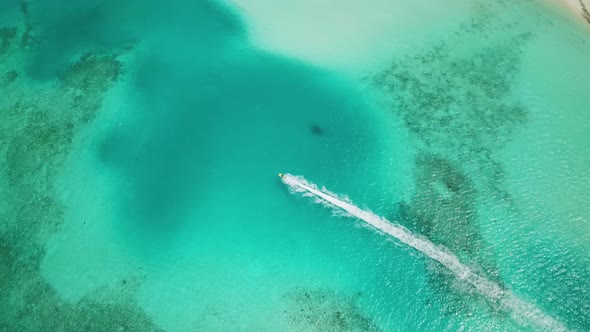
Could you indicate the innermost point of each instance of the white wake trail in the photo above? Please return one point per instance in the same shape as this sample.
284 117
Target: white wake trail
518 308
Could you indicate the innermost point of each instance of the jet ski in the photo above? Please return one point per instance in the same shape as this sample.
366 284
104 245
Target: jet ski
281 175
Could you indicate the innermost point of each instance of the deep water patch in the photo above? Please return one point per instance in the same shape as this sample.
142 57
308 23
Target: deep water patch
64 29
232 109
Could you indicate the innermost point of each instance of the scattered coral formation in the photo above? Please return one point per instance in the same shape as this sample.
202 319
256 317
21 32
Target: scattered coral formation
7 34
456 100
32 305
27 39
9 77
325 310
447 104
92 74
459 110
87 80
37 128
443 184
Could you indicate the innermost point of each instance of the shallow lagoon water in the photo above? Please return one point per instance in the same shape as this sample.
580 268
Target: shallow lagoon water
165 195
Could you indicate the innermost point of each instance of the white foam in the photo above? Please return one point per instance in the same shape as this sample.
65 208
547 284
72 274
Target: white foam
518 308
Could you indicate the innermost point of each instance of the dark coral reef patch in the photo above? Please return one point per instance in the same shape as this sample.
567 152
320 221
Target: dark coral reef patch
456 99
38 126
460 110
7 35
325 310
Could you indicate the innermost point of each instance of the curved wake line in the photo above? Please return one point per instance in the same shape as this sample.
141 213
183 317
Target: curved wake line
518 308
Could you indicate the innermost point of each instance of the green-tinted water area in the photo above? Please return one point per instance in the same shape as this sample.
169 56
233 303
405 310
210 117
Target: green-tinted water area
140 144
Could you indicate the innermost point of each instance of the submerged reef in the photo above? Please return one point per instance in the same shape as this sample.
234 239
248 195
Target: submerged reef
325 310
458 106
9 77
443 184
92 75
456 100
27 38
87 80
39 122
302 309
7 35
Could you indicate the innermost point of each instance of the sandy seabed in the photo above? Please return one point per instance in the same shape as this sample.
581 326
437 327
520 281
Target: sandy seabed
351 35
355 36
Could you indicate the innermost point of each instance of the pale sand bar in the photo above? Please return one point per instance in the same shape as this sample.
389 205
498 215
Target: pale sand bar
581 8
357 36
349 35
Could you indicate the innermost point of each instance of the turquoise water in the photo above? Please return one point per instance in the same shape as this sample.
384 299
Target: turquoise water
141 142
